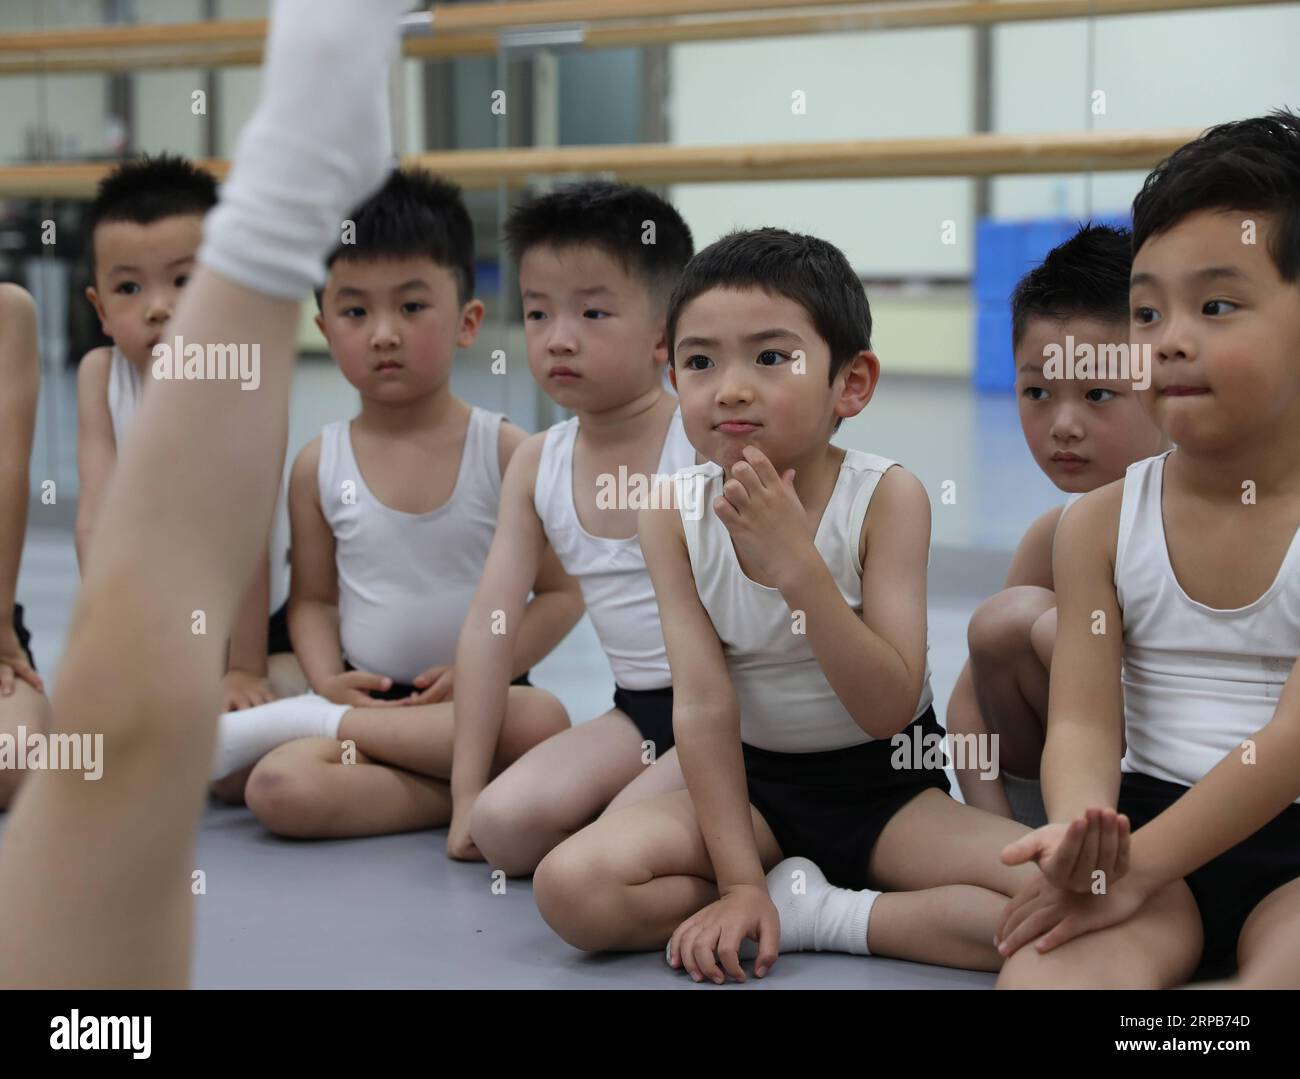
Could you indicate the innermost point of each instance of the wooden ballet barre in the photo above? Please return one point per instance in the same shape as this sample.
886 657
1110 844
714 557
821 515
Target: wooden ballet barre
858 159
234 44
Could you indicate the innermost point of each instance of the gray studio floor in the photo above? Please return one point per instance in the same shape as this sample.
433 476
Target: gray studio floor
394 912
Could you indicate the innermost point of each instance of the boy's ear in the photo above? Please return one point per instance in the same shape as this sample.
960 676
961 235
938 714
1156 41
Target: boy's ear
672 376
320 325
860 374
471 319
93 297
661 347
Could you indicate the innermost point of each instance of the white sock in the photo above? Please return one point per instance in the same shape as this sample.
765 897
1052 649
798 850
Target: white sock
815 915
244 737
318 143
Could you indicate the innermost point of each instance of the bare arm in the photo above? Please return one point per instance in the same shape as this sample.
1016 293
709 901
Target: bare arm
876 663
1032 562
314 586
1080 765
96 447
706 716
1030 565
20 375
557 604
488 642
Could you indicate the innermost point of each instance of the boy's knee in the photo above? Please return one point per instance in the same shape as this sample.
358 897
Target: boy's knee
1002 624
503 824
571 888
1042 636
284 799
539 716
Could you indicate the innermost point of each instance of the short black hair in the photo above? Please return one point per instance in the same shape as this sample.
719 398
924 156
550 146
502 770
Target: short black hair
1085 277
146 189
614 218
1248 165
414 214
813 273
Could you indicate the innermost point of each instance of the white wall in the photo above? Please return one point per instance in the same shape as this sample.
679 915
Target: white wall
1176 69
905 83
1184 69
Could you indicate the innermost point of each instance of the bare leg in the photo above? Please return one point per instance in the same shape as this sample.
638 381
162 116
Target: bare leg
1157 948
184 523
387 772
311 789
1009 677
964 719
662 777
945 885
106 912
554 790
1268 953
230 789
627 881
26 708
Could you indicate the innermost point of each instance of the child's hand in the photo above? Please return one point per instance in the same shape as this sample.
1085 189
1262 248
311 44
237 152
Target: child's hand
434 685
1050 915
1071 856
352 688
766 520
459 844
243 689
13 664
714 934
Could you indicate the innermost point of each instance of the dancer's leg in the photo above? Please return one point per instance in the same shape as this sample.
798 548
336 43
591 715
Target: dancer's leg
94 875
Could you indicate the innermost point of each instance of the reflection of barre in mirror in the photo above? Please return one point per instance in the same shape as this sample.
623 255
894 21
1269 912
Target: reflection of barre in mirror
680 619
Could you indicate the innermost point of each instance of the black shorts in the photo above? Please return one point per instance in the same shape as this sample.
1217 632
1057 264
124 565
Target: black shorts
651 712
24 638
401 690
1229 887
831 806
277 631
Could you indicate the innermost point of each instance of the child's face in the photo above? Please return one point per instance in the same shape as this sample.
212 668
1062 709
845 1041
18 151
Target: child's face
1224 329
741 379
594 340
1083 433
393 325
139 273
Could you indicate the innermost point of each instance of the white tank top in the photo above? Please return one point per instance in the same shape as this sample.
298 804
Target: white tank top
406 579
1198 681
611 572
786 703
125 387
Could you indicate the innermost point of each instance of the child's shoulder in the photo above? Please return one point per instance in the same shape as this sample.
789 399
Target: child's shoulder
16 301
1093 521
895 494
92 373
97 360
